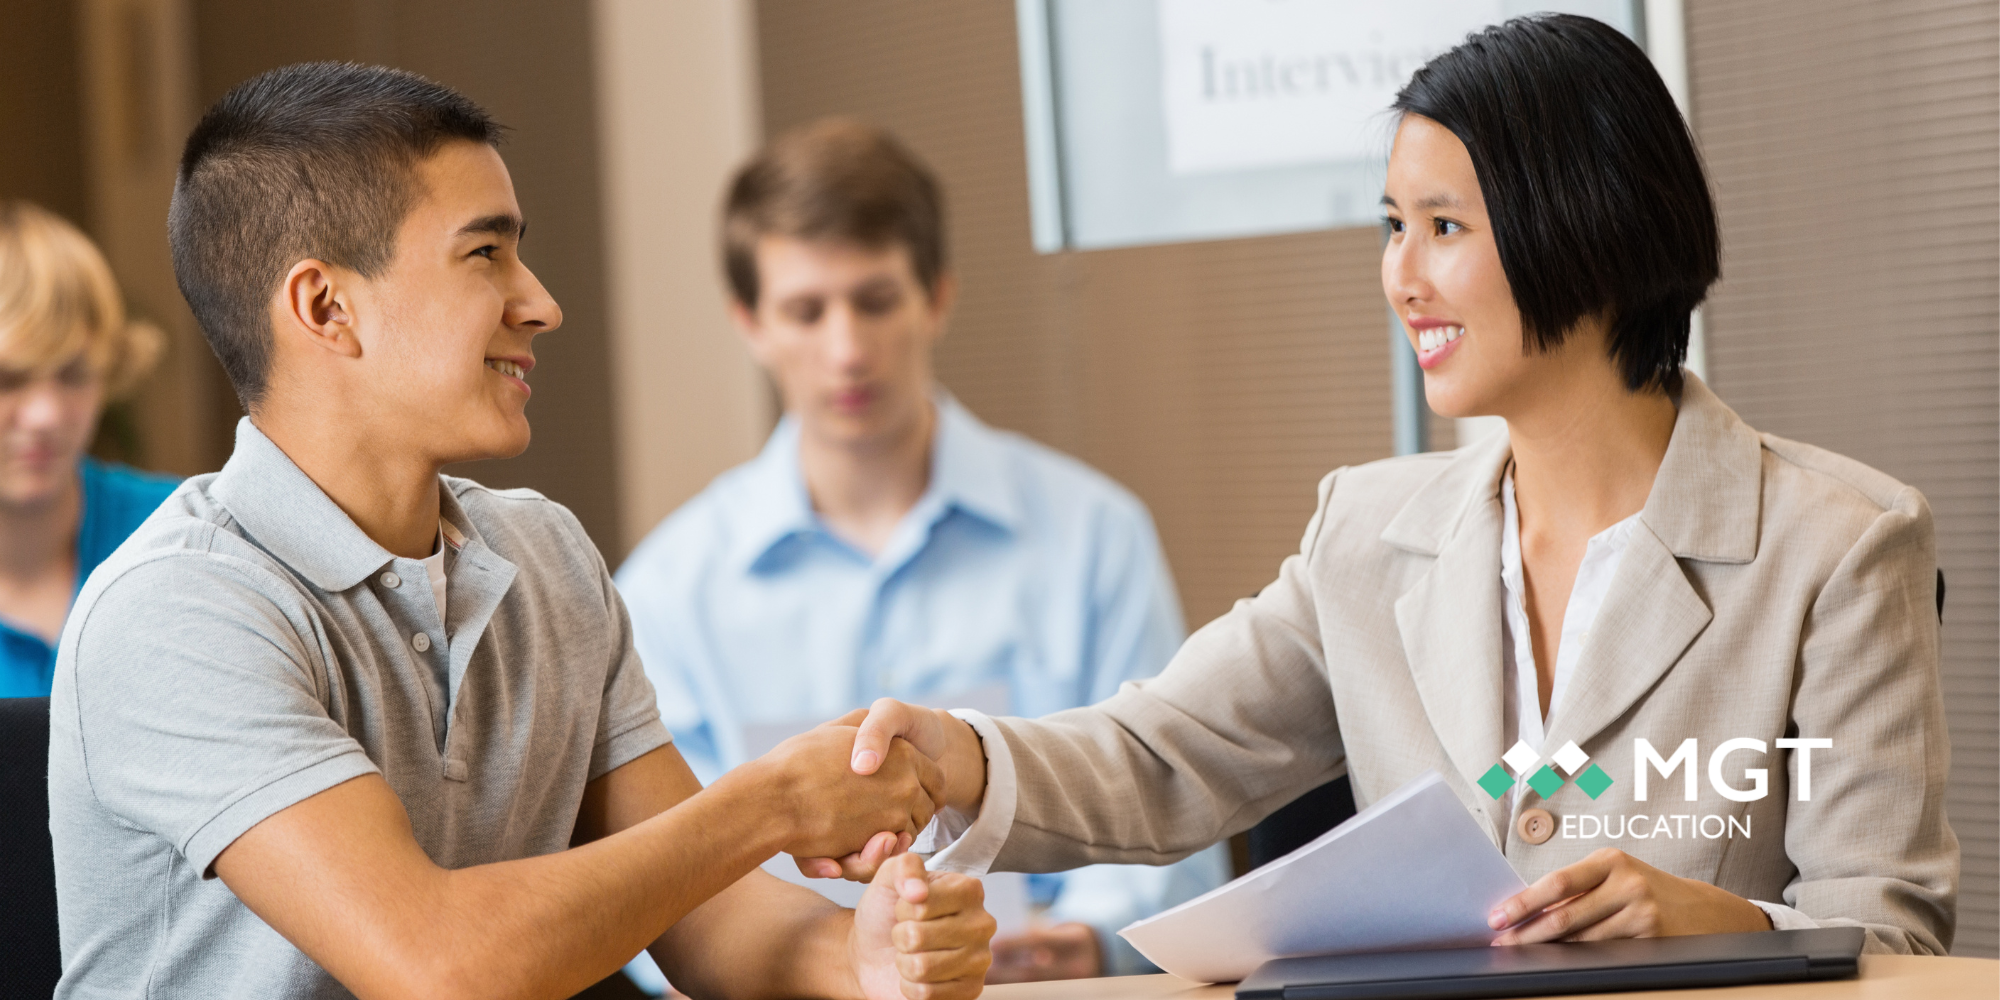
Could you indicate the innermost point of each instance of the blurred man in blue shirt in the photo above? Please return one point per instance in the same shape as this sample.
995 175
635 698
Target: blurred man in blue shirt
886 542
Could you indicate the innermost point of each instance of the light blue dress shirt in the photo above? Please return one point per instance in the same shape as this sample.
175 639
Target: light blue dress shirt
1018 566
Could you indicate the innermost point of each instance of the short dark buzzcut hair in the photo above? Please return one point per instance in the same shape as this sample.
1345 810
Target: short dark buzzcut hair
310 160
1592 181
838 179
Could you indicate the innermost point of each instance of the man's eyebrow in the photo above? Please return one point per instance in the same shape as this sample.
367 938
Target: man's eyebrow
497 225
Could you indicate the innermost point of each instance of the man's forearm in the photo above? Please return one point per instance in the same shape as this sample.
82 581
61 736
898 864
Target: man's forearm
377 913
573 917
761 939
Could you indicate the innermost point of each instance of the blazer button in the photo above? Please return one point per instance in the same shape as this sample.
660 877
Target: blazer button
1536 826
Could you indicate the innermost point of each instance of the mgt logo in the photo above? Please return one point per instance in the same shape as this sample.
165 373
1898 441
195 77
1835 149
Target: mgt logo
1645 759
1546 781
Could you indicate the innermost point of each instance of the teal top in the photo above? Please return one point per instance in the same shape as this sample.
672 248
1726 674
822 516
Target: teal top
116 498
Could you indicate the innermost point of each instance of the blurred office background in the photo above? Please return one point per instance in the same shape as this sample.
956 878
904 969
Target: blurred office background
1854 147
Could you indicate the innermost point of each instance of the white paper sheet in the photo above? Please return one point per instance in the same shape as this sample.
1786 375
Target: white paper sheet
1412 871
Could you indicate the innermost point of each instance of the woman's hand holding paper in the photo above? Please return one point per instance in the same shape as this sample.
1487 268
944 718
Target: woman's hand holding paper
1611 894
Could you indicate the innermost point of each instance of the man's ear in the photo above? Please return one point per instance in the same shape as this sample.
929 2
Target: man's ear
313 303
747 327
943 297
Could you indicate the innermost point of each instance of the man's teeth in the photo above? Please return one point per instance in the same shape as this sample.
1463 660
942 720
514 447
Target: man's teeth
506 367
1438 336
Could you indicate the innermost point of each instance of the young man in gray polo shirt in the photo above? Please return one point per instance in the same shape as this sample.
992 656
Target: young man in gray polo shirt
331 723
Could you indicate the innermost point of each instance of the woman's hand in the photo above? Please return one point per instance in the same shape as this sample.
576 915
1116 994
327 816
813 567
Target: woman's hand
919 936
1612 894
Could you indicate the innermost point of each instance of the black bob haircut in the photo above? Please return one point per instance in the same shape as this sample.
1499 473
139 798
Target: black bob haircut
310 160
1591 179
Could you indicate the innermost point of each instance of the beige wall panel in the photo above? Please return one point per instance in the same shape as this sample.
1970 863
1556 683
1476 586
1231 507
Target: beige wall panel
1855 153
1219 380
677 99
41 106
139 96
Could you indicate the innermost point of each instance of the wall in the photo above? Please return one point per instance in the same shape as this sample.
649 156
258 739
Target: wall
677 100
1855 155
1219 381
531 64
43 109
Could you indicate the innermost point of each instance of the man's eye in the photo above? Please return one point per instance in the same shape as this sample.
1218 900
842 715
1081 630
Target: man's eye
805 313
876 305
486 251
13 379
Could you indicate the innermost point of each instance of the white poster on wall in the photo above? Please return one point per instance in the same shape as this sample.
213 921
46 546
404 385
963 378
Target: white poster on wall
1249 84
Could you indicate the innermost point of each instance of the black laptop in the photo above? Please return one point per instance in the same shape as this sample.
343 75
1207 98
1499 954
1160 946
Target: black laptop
1538 969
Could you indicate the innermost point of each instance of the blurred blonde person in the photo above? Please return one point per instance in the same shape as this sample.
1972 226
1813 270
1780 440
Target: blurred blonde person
66 348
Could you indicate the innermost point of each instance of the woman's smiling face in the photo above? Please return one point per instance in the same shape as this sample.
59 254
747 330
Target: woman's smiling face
1441 271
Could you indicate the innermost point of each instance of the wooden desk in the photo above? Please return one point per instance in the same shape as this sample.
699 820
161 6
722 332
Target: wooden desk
1883 977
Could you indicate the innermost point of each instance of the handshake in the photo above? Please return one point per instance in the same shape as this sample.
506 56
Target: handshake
856 791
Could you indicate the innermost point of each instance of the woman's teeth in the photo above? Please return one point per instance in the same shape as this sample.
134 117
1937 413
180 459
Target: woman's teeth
506 367
1438 336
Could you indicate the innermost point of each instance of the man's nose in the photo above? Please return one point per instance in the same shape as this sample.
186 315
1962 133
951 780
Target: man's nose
845 339
531 307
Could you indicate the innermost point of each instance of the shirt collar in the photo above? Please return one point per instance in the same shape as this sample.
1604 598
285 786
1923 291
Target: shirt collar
969 467
968 474
289 516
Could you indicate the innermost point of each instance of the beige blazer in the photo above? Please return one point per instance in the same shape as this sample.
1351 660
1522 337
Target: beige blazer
1772 590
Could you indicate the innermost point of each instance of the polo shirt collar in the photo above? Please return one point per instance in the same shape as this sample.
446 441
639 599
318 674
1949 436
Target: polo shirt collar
287 514
968 474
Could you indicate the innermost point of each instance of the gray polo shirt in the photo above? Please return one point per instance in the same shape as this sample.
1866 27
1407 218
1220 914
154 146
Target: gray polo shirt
249 647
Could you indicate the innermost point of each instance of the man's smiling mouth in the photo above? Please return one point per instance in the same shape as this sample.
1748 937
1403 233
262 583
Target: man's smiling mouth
506 367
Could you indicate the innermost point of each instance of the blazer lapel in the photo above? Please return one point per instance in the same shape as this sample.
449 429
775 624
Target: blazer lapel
1649 618
1704 506
1450 621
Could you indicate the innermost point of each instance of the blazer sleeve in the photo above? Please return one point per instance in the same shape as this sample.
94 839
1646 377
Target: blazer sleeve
1240 723
1872 846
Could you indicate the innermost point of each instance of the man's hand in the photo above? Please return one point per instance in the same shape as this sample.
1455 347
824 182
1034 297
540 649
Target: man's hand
829 809
934 734
1612 894
1057 951
919 936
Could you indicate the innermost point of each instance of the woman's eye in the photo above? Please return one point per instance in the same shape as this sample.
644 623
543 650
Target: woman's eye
1446 227
75 374
1392 226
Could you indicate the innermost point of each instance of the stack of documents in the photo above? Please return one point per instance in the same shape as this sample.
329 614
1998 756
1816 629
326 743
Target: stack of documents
1411 871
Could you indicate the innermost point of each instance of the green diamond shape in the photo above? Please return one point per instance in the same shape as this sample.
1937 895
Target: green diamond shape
1496 781
1593 781
1545 781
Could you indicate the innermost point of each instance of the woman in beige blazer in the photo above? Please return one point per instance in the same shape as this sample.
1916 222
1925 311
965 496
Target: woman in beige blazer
1631 581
